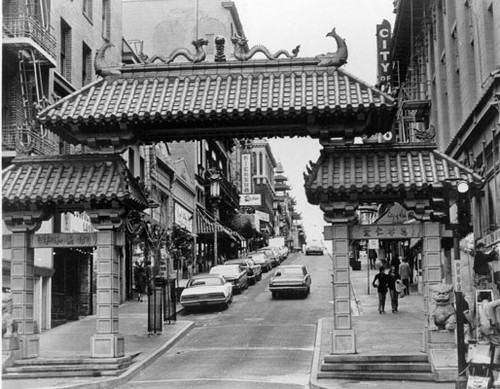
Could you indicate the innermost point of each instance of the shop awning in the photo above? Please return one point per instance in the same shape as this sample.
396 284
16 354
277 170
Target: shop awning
205 228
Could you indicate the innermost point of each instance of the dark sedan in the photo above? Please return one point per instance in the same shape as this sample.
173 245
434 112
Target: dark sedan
290 279
233 274
254 272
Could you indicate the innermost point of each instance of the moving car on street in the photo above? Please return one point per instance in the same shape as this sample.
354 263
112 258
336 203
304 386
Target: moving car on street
204 289
290 280
233 274
262 260
314 249
254 272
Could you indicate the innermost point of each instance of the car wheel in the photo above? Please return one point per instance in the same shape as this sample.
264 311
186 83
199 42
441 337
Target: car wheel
275 295
224 306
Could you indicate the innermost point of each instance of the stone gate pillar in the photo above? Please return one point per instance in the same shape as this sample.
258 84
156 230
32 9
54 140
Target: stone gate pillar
107 342
343 339
432 274
22 278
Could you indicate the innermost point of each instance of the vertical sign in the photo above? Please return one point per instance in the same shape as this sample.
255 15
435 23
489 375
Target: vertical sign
383 60
246 173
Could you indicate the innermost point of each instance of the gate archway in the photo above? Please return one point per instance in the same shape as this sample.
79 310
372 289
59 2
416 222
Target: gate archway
265 98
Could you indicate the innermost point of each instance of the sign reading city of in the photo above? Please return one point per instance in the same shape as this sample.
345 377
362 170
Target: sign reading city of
246 173
250 199
384 62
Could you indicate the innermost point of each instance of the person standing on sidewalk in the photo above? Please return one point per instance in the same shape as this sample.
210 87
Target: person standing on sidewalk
381 282
393 277
405 274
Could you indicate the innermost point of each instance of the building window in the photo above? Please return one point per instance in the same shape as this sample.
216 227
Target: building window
65 55
106 19
87 9
86 64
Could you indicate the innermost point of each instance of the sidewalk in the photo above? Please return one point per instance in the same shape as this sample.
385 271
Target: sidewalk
73 340
388 333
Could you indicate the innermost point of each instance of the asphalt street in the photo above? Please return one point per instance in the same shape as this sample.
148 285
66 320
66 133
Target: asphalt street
257 342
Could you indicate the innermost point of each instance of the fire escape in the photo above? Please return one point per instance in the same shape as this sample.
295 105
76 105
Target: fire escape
410 75
29 53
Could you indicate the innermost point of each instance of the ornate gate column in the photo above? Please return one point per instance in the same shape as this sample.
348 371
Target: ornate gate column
432 274
343 339
22 277
107 342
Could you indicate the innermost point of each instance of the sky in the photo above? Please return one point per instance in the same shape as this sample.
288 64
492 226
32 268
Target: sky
284 24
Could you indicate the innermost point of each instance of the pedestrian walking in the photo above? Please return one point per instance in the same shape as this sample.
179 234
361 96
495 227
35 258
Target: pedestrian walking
381 282
190 269
140 279
405 275
393 278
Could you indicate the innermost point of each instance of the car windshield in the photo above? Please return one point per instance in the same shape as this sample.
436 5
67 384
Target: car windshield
205 282
229 270
235 262
291 271
269 253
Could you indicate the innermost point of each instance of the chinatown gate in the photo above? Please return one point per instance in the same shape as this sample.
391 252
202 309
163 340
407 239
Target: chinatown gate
242 98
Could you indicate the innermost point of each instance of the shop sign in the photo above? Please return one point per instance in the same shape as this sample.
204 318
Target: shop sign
373 244
491 239
383 52
386 231
246 173
182 217
262 216
250 199
64 240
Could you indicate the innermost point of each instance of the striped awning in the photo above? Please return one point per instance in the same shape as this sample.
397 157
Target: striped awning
205 226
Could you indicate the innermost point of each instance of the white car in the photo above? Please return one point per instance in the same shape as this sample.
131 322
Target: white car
207 289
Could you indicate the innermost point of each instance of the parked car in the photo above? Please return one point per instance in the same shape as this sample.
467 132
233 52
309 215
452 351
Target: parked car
204 289
254 271
272 253
290 279
263 260
314 249
233 274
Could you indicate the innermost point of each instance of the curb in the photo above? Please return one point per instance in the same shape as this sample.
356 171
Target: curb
313 380
136 369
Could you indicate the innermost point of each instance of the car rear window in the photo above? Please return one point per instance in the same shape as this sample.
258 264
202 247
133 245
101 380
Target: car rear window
292 271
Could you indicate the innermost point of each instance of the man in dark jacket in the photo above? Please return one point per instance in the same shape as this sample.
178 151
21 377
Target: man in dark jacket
381 282
481 261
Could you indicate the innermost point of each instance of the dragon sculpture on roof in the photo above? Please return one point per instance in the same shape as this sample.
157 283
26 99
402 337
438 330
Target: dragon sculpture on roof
196 57
240 42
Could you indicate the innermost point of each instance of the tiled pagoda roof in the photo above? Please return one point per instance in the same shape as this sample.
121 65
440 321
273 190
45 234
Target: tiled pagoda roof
284 93
377 169
70 179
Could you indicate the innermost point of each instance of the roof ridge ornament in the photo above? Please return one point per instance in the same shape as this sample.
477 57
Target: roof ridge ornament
338 58
196 57
100 66
240 42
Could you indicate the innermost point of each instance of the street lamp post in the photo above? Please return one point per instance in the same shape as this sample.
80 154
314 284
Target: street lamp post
462 187
215 178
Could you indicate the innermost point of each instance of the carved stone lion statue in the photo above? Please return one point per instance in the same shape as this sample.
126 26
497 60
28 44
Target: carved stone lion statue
442 312
9 325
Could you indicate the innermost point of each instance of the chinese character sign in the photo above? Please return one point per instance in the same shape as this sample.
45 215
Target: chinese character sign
246 173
